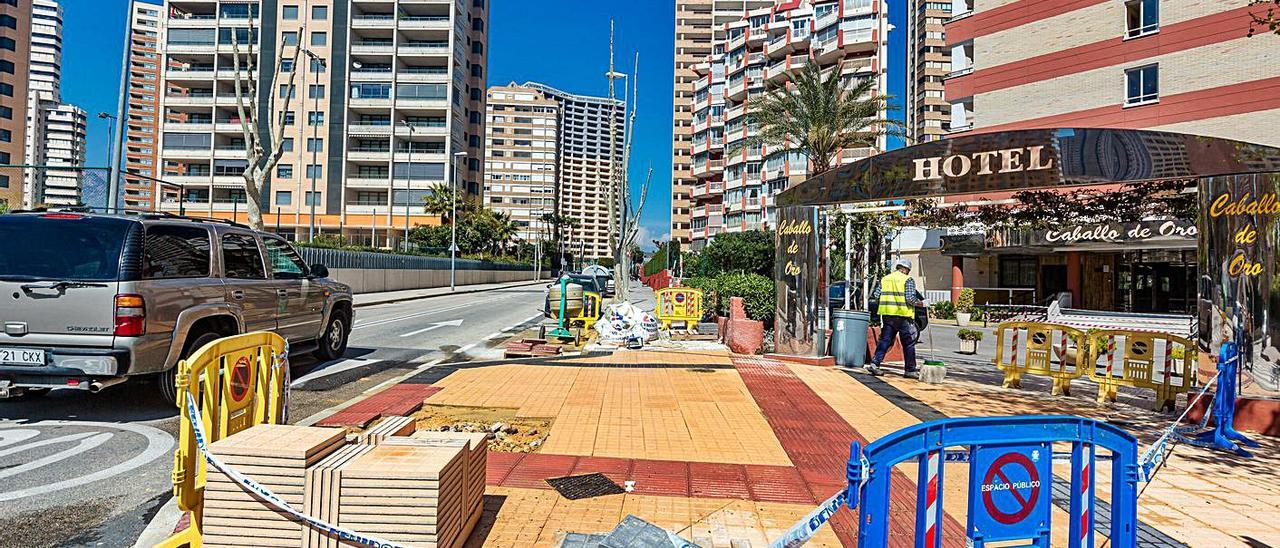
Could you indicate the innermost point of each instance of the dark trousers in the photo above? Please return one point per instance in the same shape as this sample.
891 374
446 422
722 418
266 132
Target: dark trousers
905 329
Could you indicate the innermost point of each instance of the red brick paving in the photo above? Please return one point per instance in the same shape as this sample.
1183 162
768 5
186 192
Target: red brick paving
397 400
816 439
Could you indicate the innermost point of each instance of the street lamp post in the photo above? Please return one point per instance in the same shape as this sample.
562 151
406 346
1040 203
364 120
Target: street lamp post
453 220
314 145
408 184
111 131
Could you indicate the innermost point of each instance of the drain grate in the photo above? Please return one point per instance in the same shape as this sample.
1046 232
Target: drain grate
585 486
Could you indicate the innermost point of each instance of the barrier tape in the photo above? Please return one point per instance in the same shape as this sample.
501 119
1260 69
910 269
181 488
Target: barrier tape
1158 452
270 498
804 529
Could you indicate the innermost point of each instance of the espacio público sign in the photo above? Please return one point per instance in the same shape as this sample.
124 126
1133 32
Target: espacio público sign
1237 232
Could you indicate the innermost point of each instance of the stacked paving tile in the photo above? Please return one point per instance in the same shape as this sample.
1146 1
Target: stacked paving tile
425 490
275 456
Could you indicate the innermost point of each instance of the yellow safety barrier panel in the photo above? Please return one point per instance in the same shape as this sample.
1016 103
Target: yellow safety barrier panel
1036 348
1141 359
591 310
679 304
237 382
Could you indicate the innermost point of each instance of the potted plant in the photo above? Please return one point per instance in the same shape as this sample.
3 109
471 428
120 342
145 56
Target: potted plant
969 340
964 307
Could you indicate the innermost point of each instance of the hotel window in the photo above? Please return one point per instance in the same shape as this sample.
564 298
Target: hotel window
319 38
289 13
315 118
284 198
313 198
315 91
319 13
1142 85
284 171
1142 17
289 38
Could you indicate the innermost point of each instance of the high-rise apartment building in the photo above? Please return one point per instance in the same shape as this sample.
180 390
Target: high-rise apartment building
387 99
521 156
735 183
142 117
15 43
928 114
698 23
55 131
552 151
1182 66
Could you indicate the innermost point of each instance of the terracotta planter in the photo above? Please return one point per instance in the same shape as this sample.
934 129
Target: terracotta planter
741 334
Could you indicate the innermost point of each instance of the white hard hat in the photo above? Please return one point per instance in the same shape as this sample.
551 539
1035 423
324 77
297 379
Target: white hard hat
902 263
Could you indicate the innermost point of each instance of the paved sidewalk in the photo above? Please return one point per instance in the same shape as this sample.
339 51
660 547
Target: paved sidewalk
384 297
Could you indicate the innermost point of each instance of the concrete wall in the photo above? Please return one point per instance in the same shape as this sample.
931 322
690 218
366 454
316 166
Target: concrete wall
372 280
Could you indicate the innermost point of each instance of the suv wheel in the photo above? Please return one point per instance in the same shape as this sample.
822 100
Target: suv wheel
333 344
167 381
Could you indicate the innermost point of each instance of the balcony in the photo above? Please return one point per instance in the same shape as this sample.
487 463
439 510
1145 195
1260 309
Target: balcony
373 47
369 129
423 48
369 102
422 103
184 46
189 126
188 100
230 74
366 74
422 130
424 22
441 77
202 72
373 21
369 154
359 181
229 153
707 168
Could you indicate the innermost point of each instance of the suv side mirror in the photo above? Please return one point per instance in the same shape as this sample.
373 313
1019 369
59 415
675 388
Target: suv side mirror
319 271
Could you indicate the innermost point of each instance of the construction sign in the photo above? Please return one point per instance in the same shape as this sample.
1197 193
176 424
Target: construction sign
1009 496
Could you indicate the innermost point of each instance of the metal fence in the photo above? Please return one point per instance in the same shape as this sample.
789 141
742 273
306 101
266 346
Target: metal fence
341 258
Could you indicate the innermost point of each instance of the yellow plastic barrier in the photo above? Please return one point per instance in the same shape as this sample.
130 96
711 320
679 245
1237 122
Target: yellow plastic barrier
679 304
591 311
237 382
1162 362
1046 349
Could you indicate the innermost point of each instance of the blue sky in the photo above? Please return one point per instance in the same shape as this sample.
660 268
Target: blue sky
561 43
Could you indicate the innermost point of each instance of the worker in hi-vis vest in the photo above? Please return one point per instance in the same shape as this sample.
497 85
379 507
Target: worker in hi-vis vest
898 298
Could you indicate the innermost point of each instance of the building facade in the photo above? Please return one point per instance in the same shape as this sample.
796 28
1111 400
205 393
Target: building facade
1187 66
15 43
142 115
734 184
928 114
521 157
55 131
387 100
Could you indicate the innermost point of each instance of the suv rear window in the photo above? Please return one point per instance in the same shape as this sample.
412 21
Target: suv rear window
61 247
175 252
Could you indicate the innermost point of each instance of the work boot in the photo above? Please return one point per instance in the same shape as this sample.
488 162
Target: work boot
911 374
873 369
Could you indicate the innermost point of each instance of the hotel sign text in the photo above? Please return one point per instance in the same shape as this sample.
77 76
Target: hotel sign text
1010 160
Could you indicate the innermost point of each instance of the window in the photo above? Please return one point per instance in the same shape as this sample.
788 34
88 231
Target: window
1018 271
313 198
477 24
285 262
315 91
6 66
175 252
1142 17
315 118
371 91
8 43
315 144
289 38
319 13
283 171
6 136
1142 85
289 118
284 197
6 113
317 64
287 144
287 90
319 38
286 65
315 171
241 258
6 90
289 13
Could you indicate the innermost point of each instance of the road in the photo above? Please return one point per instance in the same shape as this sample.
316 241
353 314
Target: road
82 469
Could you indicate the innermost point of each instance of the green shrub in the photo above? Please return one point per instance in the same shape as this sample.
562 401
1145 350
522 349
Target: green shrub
709 293
750 251
757 293
969 335
606 262
965 302
943 310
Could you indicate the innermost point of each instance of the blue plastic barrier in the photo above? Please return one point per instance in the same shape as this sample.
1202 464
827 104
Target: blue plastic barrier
1010 479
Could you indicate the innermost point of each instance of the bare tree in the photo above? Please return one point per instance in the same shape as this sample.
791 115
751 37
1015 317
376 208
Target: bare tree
625 223
261 151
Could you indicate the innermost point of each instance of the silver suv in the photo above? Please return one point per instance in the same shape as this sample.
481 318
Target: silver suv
87 301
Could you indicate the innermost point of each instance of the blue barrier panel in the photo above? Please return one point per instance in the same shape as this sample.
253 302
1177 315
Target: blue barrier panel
1010 479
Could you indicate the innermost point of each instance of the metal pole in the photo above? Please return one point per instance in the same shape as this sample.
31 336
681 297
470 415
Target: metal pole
117 134
408 185
315 148
848 260
453 222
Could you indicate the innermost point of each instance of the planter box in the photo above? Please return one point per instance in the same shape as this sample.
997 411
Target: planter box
968 347
962 318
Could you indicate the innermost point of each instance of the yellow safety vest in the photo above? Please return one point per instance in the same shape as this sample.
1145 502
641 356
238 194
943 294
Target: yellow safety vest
893 296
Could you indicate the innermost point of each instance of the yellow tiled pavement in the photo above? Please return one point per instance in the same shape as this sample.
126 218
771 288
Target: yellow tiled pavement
696 413
529 517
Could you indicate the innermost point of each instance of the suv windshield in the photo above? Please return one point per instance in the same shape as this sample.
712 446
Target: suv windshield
60 247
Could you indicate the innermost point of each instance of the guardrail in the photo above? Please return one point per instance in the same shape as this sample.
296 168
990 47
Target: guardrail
234 383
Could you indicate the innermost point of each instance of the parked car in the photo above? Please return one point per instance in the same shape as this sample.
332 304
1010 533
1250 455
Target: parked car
92 300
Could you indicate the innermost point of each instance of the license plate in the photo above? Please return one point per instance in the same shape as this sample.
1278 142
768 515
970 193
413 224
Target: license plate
21 356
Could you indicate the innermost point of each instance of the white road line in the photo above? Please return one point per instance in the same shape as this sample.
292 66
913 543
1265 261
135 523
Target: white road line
438 325
158 443
375 323
335 367
83 445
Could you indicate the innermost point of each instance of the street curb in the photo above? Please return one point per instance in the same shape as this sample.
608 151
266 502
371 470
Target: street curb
161 525
460 292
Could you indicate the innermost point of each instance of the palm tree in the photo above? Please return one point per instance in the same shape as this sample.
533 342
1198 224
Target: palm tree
504 231
438 202
815 115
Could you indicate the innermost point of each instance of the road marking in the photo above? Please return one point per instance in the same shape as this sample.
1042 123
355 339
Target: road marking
8 437
438 325
42 443
86 441
372 323
158 444
335 367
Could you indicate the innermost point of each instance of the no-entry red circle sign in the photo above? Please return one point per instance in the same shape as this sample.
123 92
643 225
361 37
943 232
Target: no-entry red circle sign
240 382
1021 506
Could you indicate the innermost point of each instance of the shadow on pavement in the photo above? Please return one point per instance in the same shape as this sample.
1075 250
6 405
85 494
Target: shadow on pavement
136 400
